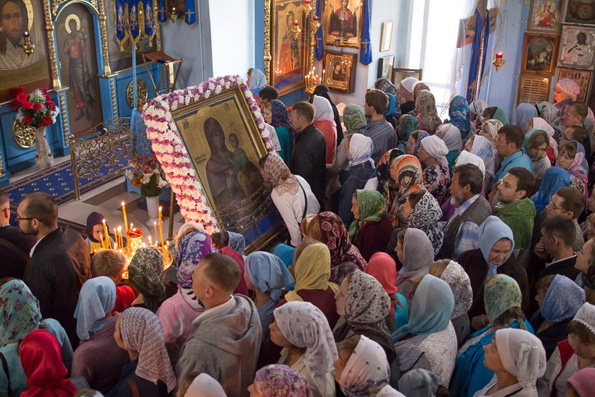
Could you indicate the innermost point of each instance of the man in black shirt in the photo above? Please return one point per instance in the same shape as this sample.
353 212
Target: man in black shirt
14 245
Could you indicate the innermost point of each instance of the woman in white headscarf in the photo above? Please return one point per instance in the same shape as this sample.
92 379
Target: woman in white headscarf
518 359
324 120
489 129
406 93
432 153
205 386
451 135
303 332
476 109
482 147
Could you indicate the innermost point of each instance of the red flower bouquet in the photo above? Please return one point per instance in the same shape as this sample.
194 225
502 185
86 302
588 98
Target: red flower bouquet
36 109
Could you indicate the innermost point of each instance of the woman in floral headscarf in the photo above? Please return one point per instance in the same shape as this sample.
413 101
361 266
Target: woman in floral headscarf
371 228
422 211
386 185
277 380
139 332
407 124
144 274
407 175
283 127
460 116
177 313
20 315
425 107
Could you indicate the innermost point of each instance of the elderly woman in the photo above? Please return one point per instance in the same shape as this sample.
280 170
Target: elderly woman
291 194
324 120
460 115
524 112
429 341
356 376
279 380
416 253
144 274
359 150
371 229
308 346
454 275
432 153
95 327
266 275
494 256
535 146
422 211
139 333
425 108
407 175
565 92
517 359
22 308
365 306
451 135
559 299
503 304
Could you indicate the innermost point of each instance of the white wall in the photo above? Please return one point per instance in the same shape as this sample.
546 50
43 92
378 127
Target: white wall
189 50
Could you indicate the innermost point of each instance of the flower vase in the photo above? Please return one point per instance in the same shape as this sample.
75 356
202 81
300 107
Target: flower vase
152 209
43 155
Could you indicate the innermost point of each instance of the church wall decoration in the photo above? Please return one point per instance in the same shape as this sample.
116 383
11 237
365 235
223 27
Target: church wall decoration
385 67
539 54
577 47
17 68
386 36
546 16
399 75
582 77
343 22
533 89
339 70
78 60
288 44
210 187
580 11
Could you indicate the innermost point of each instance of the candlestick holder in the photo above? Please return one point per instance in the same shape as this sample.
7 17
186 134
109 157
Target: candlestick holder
173 14
295 30
27 46
498 63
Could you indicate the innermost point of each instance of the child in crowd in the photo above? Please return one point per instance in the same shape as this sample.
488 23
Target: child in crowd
112 264
95 232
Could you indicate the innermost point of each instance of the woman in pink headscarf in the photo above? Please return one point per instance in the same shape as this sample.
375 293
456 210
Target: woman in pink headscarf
565 92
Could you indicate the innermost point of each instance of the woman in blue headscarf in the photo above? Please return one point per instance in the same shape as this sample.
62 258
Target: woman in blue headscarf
502 300
390 114
95 327
494 256
256 80
524 112
429 325
553 179
460 115
536 144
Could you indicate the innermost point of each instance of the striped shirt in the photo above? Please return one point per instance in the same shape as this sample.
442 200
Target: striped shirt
383 136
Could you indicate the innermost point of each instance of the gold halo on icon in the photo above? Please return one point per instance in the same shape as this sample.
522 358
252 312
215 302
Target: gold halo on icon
67 22
30 14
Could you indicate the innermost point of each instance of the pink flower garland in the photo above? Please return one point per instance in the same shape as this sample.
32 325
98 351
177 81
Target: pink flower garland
171 152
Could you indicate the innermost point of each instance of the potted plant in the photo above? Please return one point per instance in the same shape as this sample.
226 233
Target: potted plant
36 110
146 174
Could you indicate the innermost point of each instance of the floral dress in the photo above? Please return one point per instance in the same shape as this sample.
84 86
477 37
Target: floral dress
436 181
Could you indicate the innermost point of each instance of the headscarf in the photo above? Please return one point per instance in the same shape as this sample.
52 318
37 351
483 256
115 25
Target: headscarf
469 158
478 106
323 91
460 115
312 270
460 284
371 207
409 173
19 311
418 255
305 326
436 148
285 253
392 105
268 273
408 124
500 114
144 273
583 382
257 79
522 355
366 304
579 167
524 112
276 172
354 119
483 148
366 371
278 380
360 150
493 126
94 218
96 301
408 83
554 178
425 107
431 309
501 292
491 231
237 242
387 87
548 112
383 268
386 185
419 382
562 299
280 115
337 241
425 216
539 123
451 135
422 134
570 87
41 358
586 316
141 331
322 109
191 249
205 386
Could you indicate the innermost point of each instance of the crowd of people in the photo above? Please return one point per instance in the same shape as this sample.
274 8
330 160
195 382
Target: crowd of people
425 257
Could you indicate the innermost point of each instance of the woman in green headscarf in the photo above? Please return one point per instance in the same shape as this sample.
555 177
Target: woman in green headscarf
407 124
354 119
371 228
495 113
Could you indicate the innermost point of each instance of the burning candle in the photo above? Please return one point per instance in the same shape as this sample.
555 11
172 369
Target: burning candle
296 23
26 33
161 227
106 234
125 217
150 242
156 237
499 55
121 237
315 18
323 75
